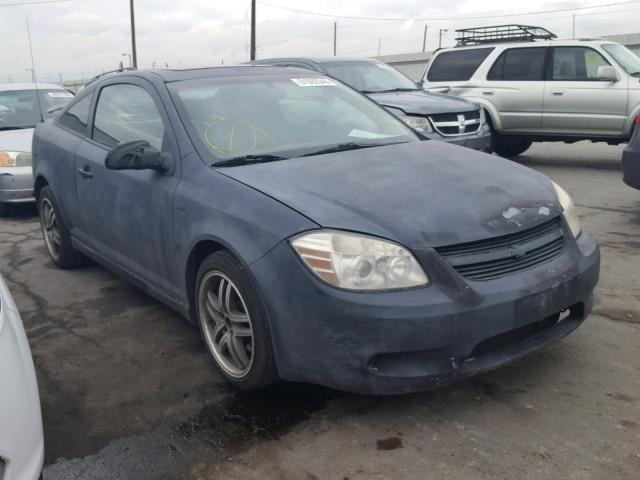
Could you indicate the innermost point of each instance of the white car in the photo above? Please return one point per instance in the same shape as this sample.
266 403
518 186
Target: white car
22 106
21 437
537 88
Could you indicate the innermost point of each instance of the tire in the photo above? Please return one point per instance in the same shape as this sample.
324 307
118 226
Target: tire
55 233
5 210
507 147
233 322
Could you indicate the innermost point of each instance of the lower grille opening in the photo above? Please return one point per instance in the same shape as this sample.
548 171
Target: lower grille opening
523 333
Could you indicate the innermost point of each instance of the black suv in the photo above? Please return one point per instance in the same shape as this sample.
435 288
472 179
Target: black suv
436 116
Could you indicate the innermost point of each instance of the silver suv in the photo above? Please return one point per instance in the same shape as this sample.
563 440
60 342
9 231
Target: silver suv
536 88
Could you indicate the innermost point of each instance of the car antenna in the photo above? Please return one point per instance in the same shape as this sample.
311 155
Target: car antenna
33 73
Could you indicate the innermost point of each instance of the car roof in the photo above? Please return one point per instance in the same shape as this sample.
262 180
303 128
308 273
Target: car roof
11 87
176 75
318 60
568 42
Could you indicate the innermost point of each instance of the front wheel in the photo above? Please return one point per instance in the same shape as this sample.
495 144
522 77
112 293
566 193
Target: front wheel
509 147
233 322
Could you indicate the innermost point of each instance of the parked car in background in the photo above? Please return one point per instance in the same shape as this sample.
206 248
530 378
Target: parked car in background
536 88
309 233
21 108
21 438
436 116
631 158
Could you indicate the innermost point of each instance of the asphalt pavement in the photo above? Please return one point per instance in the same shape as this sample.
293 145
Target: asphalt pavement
128 390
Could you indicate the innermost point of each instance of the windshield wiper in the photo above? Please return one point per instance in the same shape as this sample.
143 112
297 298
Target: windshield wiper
343 147
635 74
391 90
17 128
247 160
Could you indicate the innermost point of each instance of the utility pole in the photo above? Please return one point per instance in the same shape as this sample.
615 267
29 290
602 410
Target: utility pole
440 39
424 38
134 62
379 44
253 30
335 37
573 35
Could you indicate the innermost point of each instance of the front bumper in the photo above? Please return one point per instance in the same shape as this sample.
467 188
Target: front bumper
631 167
16 185
418 339
21 437
481 140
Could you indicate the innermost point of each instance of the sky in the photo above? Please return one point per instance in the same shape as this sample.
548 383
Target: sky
77 39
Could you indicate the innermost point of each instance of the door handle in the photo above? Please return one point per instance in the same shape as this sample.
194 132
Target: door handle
487 92
85 172
557 92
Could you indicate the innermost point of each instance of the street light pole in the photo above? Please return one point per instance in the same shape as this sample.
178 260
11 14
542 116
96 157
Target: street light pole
134 61
253 30
335 37
424 39
440 37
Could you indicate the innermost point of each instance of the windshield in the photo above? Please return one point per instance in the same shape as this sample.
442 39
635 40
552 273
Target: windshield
369 77
280 116
19 108
625 58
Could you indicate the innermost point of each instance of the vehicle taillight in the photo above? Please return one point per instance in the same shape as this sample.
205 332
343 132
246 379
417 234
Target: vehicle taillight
638 120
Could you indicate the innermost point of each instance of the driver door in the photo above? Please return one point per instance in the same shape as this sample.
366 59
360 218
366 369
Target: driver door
127 215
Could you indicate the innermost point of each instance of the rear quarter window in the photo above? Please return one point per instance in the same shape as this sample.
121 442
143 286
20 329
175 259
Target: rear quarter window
76 117
457 65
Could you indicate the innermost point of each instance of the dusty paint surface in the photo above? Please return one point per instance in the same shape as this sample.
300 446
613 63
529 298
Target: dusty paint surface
128 391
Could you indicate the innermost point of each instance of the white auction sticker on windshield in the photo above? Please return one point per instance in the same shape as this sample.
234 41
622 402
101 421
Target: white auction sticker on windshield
313 82
59 94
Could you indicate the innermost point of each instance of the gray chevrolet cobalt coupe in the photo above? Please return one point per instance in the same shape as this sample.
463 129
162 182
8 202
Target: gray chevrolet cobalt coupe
308 232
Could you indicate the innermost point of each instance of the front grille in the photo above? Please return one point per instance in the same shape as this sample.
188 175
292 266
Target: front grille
500 256
455 124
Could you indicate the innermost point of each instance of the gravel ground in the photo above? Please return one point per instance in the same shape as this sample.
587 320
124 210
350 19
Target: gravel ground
128 391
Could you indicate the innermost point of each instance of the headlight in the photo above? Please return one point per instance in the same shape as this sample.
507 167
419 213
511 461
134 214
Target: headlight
15 159
569 209
421 124
358 262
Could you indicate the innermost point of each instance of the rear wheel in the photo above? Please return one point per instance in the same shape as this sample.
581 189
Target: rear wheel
55 233
233 322
509 147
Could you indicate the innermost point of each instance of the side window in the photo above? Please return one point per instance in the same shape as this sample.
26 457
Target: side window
457 65
519 64
576 63
126 113
77 116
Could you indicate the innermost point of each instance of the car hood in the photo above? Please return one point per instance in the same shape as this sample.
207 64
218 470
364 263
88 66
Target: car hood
422 103
422 194
16 140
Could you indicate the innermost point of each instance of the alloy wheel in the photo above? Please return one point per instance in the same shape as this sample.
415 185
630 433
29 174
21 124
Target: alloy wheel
226 324
50 228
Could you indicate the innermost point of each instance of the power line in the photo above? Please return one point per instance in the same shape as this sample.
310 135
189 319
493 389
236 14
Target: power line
481 17
17 4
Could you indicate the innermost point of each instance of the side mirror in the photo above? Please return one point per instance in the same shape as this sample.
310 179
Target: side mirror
607 73
137 155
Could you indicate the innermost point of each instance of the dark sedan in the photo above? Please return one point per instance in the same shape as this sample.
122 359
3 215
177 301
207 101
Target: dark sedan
310 234
631 158
436 116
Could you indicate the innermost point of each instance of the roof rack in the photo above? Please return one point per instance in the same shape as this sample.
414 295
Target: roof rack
502 33
100 75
